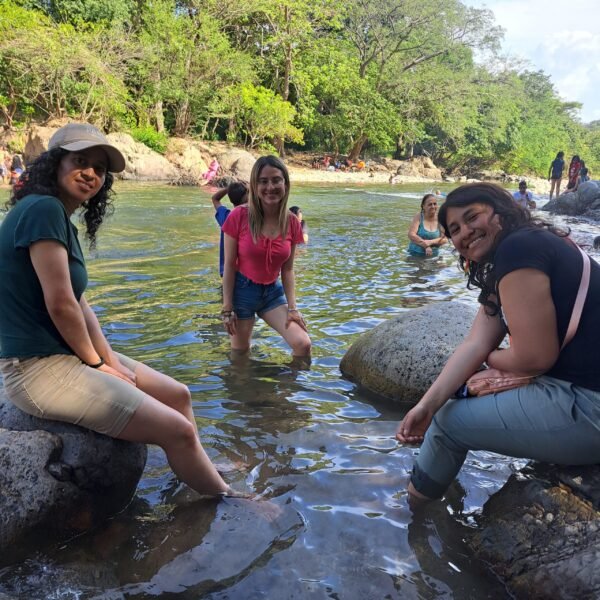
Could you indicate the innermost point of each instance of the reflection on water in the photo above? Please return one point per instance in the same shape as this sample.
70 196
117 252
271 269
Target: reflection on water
321 453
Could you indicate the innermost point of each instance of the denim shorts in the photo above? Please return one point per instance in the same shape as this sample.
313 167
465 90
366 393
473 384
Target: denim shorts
251 298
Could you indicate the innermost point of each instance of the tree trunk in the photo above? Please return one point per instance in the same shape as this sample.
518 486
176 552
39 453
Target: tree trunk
280 145
358 146
399 147
279 142
182 117
159 116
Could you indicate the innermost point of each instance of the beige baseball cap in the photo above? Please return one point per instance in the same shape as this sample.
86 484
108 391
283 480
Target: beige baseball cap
80 136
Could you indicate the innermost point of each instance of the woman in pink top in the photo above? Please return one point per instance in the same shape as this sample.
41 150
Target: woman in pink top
260 243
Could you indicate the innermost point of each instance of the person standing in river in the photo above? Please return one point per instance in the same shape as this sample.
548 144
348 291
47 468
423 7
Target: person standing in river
260 245
55 360
424 232
238 194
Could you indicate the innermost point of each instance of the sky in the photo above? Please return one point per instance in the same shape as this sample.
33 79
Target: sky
560 37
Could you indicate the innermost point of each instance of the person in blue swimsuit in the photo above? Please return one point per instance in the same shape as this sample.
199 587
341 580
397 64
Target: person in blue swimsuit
424 233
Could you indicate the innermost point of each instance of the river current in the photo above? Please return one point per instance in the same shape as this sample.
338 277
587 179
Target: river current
332 519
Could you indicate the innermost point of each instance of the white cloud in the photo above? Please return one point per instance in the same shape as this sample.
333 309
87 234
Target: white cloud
561 39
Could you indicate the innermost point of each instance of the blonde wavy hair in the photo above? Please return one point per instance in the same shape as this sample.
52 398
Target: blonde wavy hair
256 215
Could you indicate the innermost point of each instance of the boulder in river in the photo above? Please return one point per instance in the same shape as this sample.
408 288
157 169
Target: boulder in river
582 202
401 357
58 479
541 532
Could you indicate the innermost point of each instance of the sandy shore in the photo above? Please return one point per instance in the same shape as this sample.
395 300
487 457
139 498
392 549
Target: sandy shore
304 175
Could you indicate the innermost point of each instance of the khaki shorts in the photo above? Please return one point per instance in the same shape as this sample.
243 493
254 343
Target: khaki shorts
61 388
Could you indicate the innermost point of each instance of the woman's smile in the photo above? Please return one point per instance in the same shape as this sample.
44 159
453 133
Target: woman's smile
81 175
473 229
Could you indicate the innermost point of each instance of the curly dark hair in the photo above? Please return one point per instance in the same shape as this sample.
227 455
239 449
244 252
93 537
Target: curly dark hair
512 217
41 178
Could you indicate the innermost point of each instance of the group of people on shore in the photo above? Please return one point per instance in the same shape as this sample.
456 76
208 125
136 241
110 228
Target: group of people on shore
57 364
577 173
336 163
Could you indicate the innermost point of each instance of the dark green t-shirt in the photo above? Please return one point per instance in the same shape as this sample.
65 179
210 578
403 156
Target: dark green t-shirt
26 328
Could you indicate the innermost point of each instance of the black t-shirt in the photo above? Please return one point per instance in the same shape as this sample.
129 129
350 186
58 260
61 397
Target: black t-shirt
562 262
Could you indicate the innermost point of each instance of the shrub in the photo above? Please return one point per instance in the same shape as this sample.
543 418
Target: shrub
152 138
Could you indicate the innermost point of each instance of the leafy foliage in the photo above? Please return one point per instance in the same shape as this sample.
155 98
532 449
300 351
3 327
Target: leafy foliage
383 76
153 139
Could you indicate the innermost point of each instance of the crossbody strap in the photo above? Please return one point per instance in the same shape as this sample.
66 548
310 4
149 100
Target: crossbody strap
579 300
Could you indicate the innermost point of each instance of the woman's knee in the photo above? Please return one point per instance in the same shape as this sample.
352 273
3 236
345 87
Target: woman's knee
301 346
180 434
181 397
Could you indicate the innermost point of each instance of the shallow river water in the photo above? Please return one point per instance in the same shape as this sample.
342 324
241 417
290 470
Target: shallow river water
332 521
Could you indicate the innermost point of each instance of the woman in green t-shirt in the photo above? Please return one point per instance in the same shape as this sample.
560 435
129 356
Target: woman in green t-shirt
54 358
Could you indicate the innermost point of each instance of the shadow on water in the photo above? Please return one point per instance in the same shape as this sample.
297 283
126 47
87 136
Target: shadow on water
332 519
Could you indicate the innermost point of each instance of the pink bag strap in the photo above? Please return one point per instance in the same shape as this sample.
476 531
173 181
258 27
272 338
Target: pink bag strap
579 300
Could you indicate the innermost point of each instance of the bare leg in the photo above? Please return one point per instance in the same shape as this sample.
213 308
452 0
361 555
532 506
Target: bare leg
166 390
157 423
240 341
416 499
294 335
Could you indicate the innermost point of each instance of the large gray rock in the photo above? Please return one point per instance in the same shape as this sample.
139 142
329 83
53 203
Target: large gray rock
143 164
400 358
585 201
57 479
237 163
587 193
36 142
189 160
541 533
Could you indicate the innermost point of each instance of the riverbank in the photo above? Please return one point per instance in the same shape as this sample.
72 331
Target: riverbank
185 161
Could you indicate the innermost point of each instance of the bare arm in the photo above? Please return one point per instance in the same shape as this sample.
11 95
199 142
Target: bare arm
51 264
288 279
438 241
485 335
412 233
218 196
100 342
531 316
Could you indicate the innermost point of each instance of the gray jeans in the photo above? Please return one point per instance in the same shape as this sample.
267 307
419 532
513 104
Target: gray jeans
550 421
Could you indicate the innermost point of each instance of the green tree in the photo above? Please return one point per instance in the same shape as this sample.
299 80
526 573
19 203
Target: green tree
259 116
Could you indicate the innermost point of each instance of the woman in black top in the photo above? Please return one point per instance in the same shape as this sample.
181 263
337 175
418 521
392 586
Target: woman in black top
529 275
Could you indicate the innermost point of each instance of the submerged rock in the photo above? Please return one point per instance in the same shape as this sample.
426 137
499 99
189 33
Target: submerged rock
400 358
541 532
58 479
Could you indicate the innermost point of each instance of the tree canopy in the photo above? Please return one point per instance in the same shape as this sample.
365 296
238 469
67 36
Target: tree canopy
364 77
